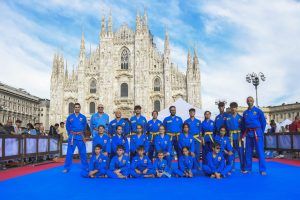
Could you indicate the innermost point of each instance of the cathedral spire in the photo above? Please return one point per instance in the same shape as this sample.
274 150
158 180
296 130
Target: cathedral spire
109 24
167 45
66 72
145 19
195 60
189 61
138 22
82 49
103 27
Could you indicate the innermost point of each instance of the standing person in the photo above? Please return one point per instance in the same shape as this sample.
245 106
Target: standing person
18 127
62 131
138 118
207 130
76 127
117 140
234 124
118 121
102 139
295 126
162 143
30 129
37 128
255 124
9 126
186 140
220 118
97 119
137 140
173 126
153 131
195 131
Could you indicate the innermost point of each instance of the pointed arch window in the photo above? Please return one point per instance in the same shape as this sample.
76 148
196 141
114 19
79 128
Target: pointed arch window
93 86
124 59
124 90
157 105
71 108
92 108
156 84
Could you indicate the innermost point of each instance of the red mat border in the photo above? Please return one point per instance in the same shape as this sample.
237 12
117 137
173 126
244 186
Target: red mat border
21 171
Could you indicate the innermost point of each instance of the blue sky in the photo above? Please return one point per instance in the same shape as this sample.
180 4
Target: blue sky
232 38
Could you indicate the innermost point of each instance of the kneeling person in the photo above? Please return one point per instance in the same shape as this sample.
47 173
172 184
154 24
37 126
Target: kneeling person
98 165
187 165
161 167
216 167
141 166
119 166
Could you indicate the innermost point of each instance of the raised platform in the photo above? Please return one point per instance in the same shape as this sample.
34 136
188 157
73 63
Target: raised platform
47 182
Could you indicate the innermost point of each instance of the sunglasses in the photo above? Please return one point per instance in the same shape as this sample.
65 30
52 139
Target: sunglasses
100 107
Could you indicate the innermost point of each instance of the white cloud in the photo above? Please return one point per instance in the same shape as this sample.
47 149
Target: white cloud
266 37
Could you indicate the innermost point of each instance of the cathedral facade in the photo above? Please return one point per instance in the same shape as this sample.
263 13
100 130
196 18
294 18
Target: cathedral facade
125 69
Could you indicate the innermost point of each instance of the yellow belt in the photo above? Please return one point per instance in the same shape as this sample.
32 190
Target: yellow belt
231 138
196 137
210 136
173 135
153 134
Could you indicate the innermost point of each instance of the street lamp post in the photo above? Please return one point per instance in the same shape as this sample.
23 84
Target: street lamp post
255 79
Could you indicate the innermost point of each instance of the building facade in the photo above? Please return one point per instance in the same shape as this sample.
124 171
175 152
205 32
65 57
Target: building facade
16 103
125 69
279 113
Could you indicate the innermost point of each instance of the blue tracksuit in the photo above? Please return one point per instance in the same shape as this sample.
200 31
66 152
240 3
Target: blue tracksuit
116 141
141 164
225 146
99 163
97 120
134 121
163 143
195 130
255 124
186 140
104 141
220 121
152 129
186 164
234 125
161 166
136 141
76 126
208 129
114 123
123 164
216 164
173 126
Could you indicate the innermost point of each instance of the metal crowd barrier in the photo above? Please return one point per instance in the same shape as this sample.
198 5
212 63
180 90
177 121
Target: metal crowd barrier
289 142
26 146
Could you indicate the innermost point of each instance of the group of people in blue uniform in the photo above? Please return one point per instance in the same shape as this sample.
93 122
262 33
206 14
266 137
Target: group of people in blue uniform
139 148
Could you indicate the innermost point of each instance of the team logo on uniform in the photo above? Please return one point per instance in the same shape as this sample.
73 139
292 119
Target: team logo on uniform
123 141
198 123
123 124
133 121
113 124
100 160
219 158
224 118
228 118
144 121
211 123
191 140
158 124
166 142
145 161
71 119
124 161
254 113
80 119
177 119
104 160
240 120
170 121
105 141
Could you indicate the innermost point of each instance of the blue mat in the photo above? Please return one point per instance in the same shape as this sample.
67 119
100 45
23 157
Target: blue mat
282 182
